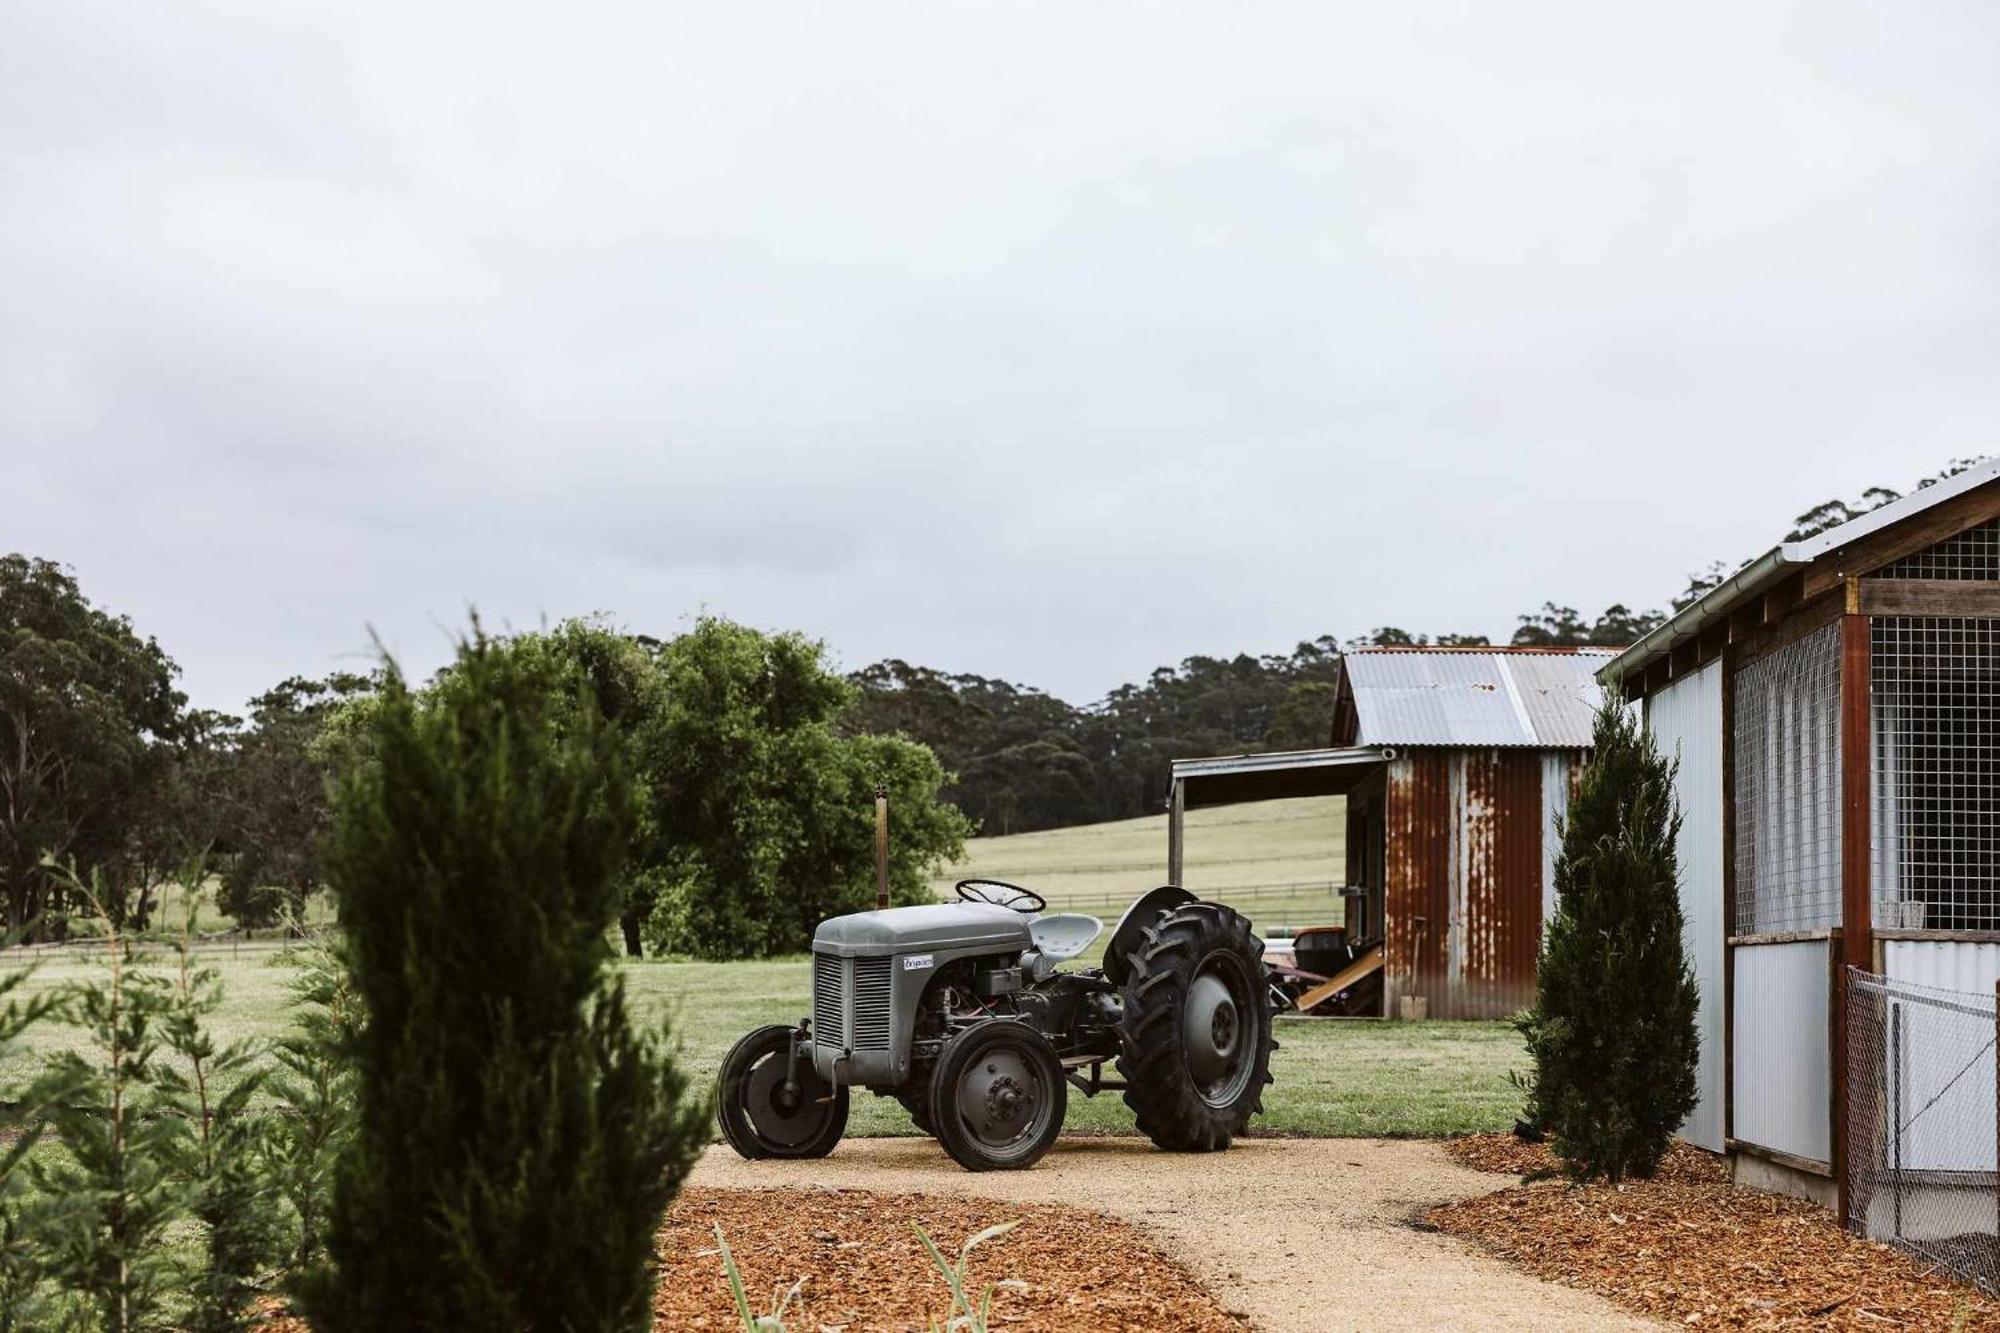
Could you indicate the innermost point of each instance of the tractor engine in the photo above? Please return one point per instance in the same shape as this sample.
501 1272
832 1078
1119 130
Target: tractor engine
878 975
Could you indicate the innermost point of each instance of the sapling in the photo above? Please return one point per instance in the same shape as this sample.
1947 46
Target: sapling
219 1159
313 1084
23 1296
112 1193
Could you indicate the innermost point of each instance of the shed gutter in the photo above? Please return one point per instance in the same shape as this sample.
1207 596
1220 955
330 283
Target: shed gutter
1747 582
1780 560
1231 765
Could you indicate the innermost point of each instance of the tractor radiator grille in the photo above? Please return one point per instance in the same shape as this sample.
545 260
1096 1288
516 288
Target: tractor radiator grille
827 1026
871 1004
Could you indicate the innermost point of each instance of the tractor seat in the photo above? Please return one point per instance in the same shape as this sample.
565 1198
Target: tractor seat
1062 935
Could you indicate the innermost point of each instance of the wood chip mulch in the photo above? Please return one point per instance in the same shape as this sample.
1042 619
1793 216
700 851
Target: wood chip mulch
1693 1249
865 1270
1506 1155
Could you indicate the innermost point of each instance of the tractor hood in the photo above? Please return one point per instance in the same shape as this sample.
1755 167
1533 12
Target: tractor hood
940 926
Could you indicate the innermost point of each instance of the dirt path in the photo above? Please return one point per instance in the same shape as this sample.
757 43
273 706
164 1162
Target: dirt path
1298 1234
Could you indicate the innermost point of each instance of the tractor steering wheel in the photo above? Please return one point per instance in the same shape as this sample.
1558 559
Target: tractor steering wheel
999 893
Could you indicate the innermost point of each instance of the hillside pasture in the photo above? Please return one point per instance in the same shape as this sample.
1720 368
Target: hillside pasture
1281 863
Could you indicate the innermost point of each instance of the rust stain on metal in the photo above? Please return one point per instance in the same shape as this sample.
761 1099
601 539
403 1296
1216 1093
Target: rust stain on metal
1464 872
1503 879
1417 831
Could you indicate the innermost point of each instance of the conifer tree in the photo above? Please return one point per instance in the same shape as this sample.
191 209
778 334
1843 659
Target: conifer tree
111 1196
23 1297
219 1155
1612 1032
314 1082
517 1139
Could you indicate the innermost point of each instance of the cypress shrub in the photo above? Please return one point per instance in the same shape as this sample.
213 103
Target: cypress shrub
1612 1032
517 1139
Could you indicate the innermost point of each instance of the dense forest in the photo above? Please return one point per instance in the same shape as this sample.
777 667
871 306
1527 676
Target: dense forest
1025 760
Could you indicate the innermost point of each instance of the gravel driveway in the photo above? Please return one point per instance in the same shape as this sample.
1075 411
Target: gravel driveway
1298 1234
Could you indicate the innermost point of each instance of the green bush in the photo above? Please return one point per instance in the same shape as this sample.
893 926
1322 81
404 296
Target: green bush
1612 1032
760 812
517 1140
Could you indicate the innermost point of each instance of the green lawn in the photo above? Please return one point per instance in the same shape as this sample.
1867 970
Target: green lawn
1277 861
1334 1078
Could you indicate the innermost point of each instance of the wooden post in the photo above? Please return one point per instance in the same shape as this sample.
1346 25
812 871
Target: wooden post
1853 943
1857 748
1996 1085
1837 1101
1176 830
1729 667
881 848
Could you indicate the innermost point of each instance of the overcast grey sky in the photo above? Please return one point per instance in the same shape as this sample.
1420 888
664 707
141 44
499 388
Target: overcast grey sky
1048 341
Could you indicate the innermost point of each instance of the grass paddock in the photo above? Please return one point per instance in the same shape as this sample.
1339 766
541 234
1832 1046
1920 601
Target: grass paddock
1277 861
1334 1077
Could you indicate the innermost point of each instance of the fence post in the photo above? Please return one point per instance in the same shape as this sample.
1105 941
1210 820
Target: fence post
1836 1025
1996 1093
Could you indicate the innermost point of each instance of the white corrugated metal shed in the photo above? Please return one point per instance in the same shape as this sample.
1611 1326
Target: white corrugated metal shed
1538 698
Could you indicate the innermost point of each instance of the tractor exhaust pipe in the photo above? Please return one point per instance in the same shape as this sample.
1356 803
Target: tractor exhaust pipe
881 848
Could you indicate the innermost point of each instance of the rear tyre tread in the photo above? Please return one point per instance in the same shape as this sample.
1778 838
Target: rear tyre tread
1159 1089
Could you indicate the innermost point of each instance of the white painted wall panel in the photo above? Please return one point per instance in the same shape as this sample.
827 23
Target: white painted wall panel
1940 1058
1781 1047
1946 964
1686 721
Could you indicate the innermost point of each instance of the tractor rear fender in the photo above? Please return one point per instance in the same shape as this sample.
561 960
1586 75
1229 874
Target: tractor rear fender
1131 930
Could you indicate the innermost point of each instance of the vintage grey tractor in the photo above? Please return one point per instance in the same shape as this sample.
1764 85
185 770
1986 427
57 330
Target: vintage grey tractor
962 1012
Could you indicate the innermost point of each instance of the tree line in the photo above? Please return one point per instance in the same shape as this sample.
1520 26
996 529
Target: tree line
1023 760
758 757
753 789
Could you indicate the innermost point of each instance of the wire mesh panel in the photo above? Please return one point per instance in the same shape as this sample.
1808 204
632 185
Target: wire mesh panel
1787 728
1935 683
1921 1097
1972 554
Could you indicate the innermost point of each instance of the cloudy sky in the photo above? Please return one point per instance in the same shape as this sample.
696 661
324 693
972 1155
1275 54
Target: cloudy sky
1045 341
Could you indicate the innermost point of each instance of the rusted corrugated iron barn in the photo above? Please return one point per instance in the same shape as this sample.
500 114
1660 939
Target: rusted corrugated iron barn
1456 764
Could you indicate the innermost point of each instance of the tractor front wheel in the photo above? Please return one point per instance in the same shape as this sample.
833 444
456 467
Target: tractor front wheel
1195 1042
761 1116
998 1096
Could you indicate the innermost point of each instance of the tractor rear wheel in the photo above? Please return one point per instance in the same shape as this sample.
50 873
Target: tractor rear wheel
760 1116
1195 1042
998 1096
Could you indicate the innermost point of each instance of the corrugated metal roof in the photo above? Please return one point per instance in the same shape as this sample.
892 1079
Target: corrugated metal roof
1544 699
